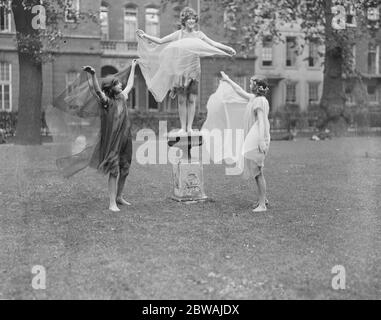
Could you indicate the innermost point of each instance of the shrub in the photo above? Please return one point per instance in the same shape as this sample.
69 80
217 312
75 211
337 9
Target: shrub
375 119
287 117
360 117
8 122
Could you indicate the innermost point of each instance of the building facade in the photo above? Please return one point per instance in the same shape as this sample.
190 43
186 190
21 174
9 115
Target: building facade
109 46
293 68
367 63
295 75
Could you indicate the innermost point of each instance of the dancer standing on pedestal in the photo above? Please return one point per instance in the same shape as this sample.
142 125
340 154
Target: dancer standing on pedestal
179 65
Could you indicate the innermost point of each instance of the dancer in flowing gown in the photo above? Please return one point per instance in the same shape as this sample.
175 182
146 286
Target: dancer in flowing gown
91 128
255 124
113 153
178 68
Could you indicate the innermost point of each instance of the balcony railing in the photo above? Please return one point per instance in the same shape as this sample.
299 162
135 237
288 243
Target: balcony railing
119 47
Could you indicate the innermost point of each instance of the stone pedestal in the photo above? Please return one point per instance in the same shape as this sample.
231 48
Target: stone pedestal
188 181
188 177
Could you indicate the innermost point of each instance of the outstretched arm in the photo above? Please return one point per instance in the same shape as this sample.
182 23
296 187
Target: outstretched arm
131 78
219 45
236 87
169 38
97 88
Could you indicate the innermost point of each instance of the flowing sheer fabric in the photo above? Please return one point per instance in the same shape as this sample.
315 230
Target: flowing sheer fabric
172 65
231 131
74 121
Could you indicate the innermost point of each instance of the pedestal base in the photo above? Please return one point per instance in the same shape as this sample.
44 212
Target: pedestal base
188 181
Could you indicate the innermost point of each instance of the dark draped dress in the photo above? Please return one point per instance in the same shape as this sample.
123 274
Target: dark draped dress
113 152
103 123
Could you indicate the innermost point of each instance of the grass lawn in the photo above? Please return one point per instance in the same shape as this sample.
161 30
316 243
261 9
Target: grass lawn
325 211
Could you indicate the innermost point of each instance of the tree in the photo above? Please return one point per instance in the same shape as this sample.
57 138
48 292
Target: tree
317 20
38 36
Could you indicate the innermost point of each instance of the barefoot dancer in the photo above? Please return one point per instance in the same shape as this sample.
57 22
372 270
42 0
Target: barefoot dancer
113 153
186 87
257 134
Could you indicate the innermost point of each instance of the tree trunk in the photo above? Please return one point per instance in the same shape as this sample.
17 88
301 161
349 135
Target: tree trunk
333 100
28 129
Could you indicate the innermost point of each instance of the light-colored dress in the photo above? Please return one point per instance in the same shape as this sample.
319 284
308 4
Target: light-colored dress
188 82
253 158
229 114
174 64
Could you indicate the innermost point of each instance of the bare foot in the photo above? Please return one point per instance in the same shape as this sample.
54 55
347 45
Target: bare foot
122 202
267 203
114 208
260 209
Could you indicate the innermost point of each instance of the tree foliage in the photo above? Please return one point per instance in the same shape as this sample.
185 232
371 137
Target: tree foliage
247 22
39 32
41 43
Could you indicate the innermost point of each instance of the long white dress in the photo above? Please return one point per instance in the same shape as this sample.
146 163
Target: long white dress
237 122
253 158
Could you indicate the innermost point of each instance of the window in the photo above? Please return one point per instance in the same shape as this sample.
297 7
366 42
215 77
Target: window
130 24
372 93
152 22
313 92
267 52
313 53
290 92
71 10
108 70
349 98
309 4
70 79
104 23
373 13
5 86
350 20
152 104
5 17
291 51
373 59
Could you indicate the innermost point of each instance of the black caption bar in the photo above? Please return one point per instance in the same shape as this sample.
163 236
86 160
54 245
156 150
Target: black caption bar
191 310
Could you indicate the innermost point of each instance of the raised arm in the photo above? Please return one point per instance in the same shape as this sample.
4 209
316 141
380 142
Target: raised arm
236 87
219 45
169 38
131 78
97 88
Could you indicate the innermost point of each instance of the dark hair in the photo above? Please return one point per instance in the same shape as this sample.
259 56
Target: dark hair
187 13
108 84
261 86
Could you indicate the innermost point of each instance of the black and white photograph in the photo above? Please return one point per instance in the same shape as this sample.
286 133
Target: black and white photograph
190 150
